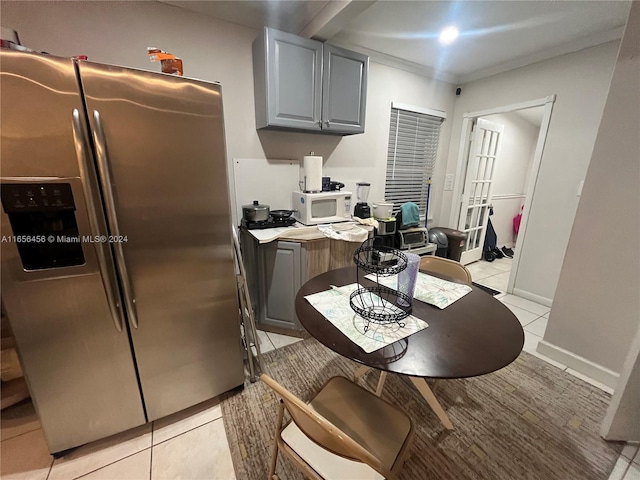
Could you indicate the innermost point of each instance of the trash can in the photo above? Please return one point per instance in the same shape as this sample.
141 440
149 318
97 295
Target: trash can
457 240
437 236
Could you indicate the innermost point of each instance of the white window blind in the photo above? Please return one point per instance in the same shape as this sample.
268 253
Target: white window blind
411 158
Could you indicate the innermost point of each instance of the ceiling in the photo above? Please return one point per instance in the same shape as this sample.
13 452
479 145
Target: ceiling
495 36
287 15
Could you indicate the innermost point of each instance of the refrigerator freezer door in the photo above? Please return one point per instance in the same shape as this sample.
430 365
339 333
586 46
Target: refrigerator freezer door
78 365
159 140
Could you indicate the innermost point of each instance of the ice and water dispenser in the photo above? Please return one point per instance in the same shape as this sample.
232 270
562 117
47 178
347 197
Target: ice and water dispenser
43 221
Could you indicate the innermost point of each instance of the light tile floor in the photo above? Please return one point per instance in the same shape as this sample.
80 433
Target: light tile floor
192 444
492 274
188 445
628 465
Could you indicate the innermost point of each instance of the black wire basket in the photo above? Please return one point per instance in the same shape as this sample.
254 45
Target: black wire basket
379 303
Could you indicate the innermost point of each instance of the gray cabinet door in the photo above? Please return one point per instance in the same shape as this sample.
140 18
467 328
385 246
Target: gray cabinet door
293 77
281 280
344 90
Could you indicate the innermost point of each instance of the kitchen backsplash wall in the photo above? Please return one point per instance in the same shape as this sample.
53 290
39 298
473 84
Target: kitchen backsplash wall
268 181
271 182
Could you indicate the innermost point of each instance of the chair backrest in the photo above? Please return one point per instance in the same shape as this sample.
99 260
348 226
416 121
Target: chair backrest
322 431
447 267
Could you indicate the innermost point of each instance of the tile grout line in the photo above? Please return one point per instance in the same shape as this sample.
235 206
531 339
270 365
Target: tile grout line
624 474
50 467
186 431
268 338
109 464
151 452
20 434
531 322
539 316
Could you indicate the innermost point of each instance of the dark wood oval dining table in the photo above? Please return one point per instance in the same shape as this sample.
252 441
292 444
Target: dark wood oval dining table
475 335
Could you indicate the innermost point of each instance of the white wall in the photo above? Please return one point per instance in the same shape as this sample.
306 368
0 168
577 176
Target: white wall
596 312
580 80
211 49
511 172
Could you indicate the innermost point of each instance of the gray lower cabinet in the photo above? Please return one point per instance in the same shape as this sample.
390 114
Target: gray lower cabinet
306 85
280 277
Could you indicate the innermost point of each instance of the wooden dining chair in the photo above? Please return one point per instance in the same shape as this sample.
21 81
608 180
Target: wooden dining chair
447 267
344 432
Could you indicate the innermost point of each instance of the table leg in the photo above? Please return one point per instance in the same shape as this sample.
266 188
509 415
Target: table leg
425 391
383 377
360 372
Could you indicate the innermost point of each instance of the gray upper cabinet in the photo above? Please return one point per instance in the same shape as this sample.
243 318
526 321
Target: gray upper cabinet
306 85
288 81
344 90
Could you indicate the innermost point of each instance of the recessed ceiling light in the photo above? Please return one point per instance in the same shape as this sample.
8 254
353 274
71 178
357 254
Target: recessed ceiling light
448 35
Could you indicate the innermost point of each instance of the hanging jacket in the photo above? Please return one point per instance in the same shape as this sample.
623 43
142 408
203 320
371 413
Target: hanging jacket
490 239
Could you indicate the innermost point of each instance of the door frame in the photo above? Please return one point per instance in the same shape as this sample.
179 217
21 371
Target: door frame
463 158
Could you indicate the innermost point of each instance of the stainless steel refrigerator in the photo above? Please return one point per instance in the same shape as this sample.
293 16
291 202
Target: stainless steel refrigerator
117 267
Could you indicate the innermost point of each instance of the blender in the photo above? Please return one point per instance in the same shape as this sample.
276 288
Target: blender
362 209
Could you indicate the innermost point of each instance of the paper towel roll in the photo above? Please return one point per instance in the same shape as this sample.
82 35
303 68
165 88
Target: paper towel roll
311 173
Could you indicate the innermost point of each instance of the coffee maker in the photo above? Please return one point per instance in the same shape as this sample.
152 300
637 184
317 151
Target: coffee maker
362 209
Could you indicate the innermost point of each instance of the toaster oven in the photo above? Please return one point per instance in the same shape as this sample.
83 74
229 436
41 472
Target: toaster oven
413 237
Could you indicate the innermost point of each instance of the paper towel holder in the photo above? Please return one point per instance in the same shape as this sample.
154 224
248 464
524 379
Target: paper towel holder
311 181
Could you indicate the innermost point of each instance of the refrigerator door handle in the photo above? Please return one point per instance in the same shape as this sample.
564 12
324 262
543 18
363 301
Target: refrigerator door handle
110 205
108 276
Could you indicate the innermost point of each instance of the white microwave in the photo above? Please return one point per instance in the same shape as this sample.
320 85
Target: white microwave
322 207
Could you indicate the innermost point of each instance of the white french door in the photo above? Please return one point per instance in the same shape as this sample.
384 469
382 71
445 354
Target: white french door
476 196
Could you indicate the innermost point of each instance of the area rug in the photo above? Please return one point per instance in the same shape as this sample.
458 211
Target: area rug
529 420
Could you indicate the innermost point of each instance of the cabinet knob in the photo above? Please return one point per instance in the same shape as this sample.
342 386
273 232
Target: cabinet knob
320 123
326 122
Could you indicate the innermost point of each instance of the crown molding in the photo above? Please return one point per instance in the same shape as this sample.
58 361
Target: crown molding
399 63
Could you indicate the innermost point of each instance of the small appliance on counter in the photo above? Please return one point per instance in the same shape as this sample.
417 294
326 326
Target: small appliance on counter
385 233
386 226
323 207
272 222
415 237
311 174
331 186
382 210
362 209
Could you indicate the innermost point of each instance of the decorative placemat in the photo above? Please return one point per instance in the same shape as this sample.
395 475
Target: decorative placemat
432 290
334 305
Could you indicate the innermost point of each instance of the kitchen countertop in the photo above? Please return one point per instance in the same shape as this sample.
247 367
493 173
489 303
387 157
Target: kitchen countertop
298 232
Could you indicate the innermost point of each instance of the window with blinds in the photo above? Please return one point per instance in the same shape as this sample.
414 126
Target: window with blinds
411 158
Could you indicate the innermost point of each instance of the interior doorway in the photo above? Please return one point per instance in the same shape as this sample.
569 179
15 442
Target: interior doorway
498 163
475 203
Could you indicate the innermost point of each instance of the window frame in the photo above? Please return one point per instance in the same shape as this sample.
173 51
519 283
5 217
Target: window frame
424 118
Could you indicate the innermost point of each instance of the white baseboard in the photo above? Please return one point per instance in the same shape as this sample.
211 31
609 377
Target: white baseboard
533 297
578 363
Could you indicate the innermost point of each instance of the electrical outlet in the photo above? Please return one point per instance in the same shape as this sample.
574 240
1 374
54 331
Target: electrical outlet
448 182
